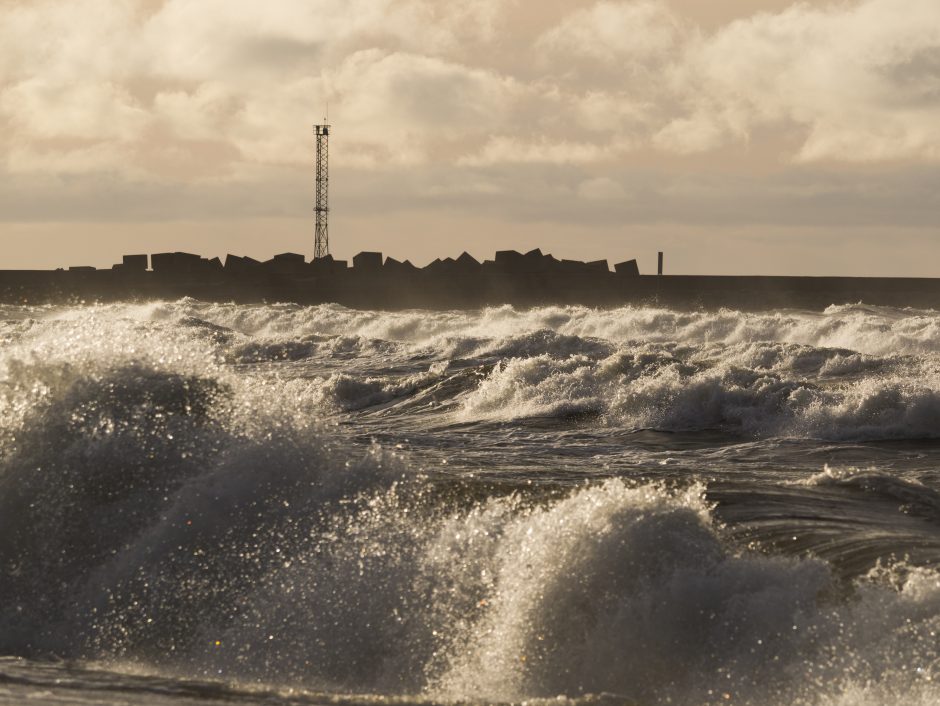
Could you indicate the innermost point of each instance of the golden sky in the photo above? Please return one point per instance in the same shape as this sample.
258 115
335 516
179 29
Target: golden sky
739 137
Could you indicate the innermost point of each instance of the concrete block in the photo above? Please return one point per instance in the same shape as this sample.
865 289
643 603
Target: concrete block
290 257
630 268
368 261
138 263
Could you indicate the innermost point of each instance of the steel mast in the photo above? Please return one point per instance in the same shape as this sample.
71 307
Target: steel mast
322 208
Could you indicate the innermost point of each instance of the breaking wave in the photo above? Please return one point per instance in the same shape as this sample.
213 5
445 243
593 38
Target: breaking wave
879 331
178 492
847 373
145 520
757 389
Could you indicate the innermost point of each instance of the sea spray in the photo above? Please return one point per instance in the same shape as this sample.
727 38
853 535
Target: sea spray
464 506
870 330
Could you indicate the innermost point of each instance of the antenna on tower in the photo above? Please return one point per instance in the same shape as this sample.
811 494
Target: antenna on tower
322 208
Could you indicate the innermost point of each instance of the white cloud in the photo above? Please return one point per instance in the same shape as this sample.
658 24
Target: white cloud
629 34
503 149
82 110
834 72
601 189
255 75
76 158
178 89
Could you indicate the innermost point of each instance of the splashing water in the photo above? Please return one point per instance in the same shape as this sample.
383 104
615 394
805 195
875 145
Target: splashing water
281 504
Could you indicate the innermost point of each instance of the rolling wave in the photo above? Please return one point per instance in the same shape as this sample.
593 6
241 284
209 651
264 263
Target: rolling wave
180 490
767 391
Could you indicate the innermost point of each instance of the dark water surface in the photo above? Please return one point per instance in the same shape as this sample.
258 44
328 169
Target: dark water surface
207 503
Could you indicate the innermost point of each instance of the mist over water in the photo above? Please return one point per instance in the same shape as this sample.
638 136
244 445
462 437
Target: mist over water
286 504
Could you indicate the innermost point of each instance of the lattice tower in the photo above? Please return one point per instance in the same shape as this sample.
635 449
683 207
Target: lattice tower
322 208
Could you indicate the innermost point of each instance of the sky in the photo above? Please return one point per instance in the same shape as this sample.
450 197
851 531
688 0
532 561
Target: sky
738 136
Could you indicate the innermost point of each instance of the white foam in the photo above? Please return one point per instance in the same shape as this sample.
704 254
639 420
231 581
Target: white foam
874 331
631 592
766 389
849 372
184 514
616 590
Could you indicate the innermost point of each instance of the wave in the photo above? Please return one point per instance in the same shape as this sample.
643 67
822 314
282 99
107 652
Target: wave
862 329
627 591
767 390
349 393
913 497
740 373
159 509
632 592
122 444
878 331
177 492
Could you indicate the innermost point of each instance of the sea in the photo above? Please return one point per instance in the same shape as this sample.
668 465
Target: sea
274 504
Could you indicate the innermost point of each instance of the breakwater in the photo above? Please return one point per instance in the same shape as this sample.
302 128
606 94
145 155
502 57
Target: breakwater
452 284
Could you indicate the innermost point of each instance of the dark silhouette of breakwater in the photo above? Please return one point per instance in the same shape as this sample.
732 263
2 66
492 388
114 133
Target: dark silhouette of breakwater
529 279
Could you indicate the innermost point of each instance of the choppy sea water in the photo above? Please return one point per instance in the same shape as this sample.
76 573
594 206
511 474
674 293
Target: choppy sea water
205 503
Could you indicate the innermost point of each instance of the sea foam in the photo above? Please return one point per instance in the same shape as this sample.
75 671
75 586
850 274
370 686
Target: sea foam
169 504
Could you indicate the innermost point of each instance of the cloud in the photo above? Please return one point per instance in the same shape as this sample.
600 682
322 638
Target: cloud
503 149
251 75
832 72
629 35
107 80
601 189
407 108
606 111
